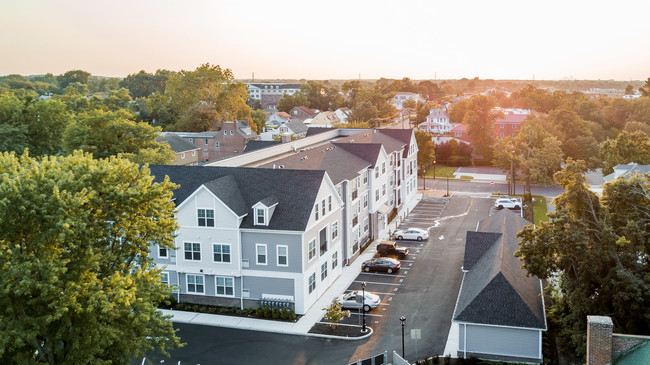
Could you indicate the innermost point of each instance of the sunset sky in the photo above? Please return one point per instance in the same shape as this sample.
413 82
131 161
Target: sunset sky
331 39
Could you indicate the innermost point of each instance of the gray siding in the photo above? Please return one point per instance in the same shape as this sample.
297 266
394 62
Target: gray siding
511 342
258 285
272 240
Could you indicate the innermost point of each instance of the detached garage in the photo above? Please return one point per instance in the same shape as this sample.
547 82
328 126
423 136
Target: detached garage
500 311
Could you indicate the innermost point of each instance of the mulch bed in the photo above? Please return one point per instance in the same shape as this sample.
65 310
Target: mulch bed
340 330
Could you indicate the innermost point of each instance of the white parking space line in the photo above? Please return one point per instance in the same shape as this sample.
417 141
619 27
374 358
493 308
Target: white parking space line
371 282
405 260
367 314
378 274
378 293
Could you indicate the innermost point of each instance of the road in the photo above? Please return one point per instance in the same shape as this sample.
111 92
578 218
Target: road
549 191
426 296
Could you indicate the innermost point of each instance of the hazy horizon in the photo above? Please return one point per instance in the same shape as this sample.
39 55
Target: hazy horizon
421 40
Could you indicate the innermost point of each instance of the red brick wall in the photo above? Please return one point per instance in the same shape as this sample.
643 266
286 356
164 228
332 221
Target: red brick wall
599 340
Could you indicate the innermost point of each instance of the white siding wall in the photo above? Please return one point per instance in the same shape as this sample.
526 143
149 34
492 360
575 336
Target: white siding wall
499 341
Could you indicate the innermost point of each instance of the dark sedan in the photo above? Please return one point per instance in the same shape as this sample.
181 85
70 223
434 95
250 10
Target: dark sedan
381 264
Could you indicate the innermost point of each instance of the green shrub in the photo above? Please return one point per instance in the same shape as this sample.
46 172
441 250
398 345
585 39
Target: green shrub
276 313
292 314
447 360
267 312
284 313
436 359
259 313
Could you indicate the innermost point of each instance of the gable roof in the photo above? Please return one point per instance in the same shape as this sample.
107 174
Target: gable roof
296 126
496 290
254 145
295 190
329 158
366 151
315 130
176 143
310 112
438 113
630 168
392 139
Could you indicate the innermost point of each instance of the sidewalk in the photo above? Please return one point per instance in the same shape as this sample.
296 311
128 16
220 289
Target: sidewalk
315 313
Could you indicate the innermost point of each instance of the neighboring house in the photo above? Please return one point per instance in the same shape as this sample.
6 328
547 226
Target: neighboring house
294 127
499 311
303 113
215 145
437 122
325 119
401 97
255 145
269 94
186 152
606 348
316 130
627 170
508 125
276 119
343 114
251 234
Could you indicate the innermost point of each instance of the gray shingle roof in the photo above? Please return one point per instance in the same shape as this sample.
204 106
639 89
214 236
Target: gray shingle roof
176 143
496 290
628 169
254 145
296 126
315 130
367 151
339 164
392 139
295 190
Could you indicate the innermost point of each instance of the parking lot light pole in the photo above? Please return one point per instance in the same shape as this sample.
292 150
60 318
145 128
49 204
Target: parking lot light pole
363 306
403 320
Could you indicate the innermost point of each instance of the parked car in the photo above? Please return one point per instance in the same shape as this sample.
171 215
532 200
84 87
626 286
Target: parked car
381 264
354 300
411 234
390 248
505 201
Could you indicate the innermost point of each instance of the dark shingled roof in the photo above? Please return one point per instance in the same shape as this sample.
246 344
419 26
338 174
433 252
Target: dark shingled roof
176 143
496 290
315 130
254 145
270 201
392 139
295 190
327 157
296 126
367 151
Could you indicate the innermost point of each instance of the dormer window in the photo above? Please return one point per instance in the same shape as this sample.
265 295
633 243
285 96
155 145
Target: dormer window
260 216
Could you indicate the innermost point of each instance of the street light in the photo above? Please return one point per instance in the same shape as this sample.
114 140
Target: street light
363 306
403 320
512 173
434 169
447 185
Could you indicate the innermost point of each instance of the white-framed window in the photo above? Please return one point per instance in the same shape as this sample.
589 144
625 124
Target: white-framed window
191 140
501 134
329 203
205 141
225 286
502 125
376 171
383 167
221 252
335 259
316 212
312 249
195 284
323 240
182 155
260 253
312 282
232 132
206 217
377 195
192 251
259 216
365 224
365 176
193 153
162 252
283 255
335 230
383 189
164 278
365 200
225 132
216 144
323 271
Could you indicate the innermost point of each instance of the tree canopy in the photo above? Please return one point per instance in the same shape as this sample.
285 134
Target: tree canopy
625 148
78 285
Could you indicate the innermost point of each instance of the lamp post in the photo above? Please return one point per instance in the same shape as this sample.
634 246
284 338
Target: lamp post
447 185
512 172
403 320
424 176
363 306
434 169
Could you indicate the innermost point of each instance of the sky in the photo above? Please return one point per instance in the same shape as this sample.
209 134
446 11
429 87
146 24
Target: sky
333 39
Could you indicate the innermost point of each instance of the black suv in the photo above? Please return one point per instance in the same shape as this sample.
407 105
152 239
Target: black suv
390 248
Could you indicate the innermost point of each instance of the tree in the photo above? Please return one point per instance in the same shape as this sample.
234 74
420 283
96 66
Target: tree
629 90
334 313
632 127
259 118
117 99
288 102
426 149
479 119
595 254
71 77
575 136
144 84
626 148
106 134
81 287
46 120
365 112
645 89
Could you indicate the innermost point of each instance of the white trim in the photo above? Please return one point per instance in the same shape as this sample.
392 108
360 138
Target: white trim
214 217
229 253
200 252
500 326
224 295
277 252
275 231
266 254
187 286
189 198
166 273
315 250
166 250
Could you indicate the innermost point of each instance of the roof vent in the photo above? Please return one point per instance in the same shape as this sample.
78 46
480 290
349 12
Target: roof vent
281 166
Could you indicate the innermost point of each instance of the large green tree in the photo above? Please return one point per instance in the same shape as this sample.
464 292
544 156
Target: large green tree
479 118
105 133
645 89
625 148
595 253
426 149
78 285
144 84
72 76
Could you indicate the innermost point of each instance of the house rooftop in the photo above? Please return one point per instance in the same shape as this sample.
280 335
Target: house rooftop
176 143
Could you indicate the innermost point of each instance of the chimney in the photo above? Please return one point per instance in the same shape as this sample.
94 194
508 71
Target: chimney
286 137
599 340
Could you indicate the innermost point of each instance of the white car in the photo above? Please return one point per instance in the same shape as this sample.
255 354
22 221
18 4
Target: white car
411 234
353 300
505 201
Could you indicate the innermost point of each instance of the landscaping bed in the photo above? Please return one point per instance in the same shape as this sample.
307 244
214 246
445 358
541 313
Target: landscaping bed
341 330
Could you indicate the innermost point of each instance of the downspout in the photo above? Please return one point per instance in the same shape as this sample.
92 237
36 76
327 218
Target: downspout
241 257
465 341
178 281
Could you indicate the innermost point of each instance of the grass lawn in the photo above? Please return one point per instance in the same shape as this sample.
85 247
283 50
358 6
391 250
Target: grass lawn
441 171
539 209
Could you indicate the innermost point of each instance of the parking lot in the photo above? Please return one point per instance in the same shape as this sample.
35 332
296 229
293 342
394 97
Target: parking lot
387 286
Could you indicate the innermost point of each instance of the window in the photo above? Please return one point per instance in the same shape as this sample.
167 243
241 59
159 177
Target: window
162 252
323 240
376 171
206 217
323 206
335 259
193 153
260 215
225 133
502 125
191 139
195 284
205 141
312 282
329 203
365 224
164 278
231 132
365 200
316 212
216 144
283 258
192 251
377 195
501 134
383 189
365 176
182 155
225 286
261 253
383 168
312 249
335 230
323 271
221 252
